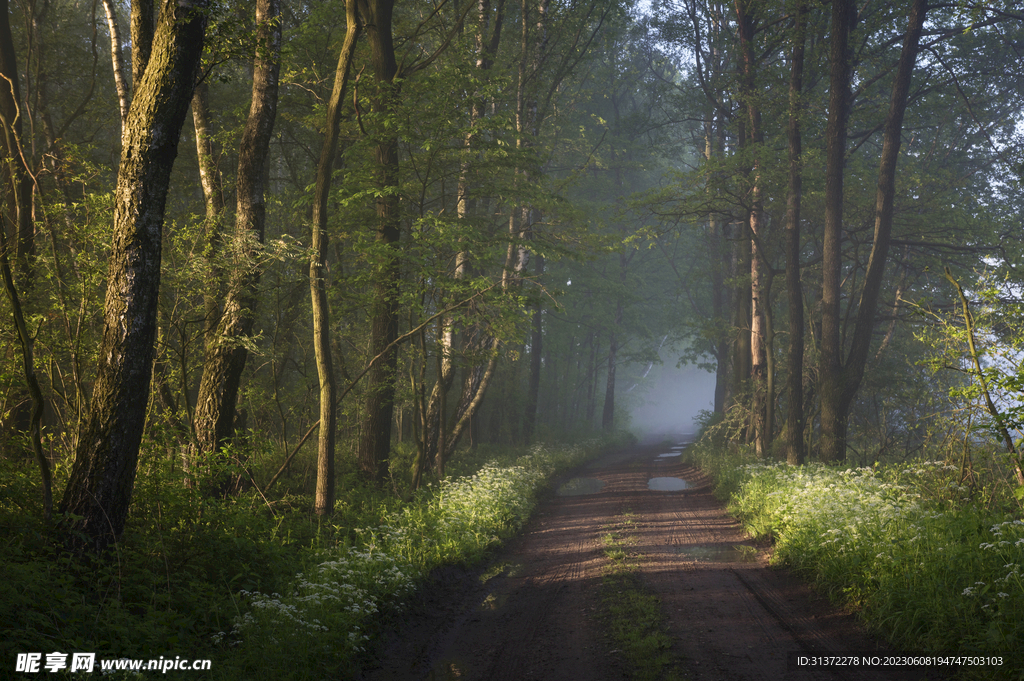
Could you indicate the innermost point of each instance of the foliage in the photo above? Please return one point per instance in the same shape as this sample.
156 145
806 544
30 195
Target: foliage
258 585
985 333
927 561
326 616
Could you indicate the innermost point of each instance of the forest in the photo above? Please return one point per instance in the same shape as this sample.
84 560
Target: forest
312 299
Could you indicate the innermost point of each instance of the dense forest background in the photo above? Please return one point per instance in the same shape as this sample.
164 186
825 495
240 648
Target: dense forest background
296 250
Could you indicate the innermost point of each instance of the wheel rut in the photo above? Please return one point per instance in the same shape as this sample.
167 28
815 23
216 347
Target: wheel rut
731 616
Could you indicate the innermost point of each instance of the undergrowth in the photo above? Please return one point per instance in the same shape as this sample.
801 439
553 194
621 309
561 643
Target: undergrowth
632 615
928 564
261 586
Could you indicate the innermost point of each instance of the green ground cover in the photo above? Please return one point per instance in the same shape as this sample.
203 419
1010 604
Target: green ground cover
632 615
262 587
932 563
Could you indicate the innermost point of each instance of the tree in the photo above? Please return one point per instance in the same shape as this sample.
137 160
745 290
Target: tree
839 380
226 351
324 503
16 216
102 478
375 442
795 416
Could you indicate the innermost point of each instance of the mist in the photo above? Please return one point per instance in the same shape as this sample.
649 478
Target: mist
666 403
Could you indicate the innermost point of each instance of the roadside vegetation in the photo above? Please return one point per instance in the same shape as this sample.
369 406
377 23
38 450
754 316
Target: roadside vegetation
632 615
263 587
929 552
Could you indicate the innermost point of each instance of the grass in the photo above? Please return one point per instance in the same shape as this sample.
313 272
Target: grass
908 545
263 587
632 615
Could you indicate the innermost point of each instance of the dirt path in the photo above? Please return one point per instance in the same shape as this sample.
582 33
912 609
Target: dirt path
732 617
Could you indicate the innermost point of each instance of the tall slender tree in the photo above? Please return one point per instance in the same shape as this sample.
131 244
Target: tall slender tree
795 389
375 436
839 380
324 503
226 351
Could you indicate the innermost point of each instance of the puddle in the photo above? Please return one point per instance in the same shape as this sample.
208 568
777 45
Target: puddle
667 484
670 455
579 486
718 554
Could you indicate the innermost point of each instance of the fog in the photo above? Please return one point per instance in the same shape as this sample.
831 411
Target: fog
666 402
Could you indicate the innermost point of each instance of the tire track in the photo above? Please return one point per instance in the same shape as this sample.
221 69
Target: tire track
731 621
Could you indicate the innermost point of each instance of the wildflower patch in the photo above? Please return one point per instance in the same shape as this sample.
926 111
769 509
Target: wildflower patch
327 616
929 574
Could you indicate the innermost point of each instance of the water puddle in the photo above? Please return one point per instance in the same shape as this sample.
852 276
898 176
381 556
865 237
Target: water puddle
738 553
670 455
576 487
667 484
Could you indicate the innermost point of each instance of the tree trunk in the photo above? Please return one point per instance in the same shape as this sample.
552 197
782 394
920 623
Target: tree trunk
760 266
608 413
795 454
213 200
591 402
324 503
719 310
536 348
375 438
740 345
124 97
838 392
227 353
100 488
830 380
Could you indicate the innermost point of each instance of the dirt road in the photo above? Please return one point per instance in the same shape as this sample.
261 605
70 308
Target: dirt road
534 613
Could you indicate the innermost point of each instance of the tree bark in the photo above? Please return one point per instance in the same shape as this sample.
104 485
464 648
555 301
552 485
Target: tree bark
213 200
830 388
375 436
100 488
795 454
226 355
840 387
324 502
142 38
